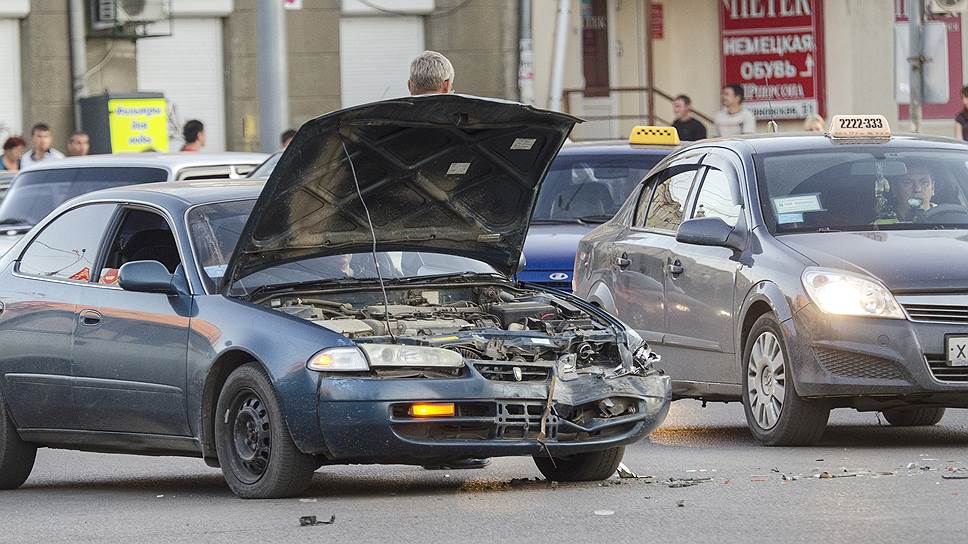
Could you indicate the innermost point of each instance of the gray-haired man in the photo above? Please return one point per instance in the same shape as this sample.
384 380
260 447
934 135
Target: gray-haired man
431 73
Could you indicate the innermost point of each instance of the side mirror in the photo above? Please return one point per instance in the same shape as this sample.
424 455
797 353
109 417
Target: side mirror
147 277
708 231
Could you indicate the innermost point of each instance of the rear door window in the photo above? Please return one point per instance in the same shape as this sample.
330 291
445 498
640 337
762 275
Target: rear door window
67 247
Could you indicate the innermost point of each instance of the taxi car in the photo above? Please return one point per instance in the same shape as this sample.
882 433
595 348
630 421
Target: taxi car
36 191
585 186
798 273
256 325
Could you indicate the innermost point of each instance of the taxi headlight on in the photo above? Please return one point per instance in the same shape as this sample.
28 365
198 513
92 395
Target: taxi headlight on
339 359
840 293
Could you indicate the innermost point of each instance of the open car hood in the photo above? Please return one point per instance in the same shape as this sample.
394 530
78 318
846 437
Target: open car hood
446 173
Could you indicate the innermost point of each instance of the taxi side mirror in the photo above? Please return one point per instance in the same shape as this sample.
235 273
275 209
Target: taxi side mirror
708 231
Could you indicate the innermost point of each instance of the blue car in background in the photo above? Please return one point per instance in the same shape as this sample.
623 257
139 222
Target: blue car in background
585 186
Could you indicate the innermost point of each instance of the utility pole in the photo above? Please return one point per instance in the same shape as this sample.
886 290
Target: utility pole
273 73
558 65
78 57
916 59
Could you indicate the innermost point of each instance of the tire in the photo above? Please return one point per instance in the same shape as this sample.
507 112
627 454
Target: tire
582 467
16 456
258 457
775 414
914 417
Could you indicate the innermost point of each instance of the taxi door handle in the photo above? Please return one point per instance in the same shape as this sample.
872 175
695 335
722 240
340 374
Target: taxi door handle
89 317
623 261
675 267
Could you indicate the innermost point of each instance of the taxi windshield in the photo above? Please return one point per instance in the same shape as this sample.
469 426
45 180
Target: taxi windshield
864 188
589 189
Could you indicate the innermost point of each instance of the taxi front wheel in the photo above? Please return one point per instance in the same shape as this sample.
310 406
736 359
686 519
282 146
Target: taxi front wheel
775 414
914 417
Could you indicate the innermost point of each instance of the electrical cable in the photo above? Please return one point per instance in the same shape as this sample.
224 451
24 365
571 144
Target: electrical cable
369 222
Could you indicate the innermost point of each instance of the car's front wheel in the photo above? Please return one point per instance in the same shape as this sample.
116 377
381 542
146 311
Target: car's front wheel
16 456
775 414
581 467
914 417
258 457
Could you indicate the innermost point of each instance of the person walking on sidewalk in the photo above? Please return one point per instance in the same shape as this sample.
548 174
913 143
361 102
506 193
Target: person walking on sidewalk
194 133
734 119
689 128
41 140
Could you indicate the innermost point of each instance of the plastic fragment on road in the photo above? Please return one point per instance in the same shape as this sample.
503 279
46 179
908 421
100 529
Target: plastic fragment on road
625 472
686 482
604 512
309 521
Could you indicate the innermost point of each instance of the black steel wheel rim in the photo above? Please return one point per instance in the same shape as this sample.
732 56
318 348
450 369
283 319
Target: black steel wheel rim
251 436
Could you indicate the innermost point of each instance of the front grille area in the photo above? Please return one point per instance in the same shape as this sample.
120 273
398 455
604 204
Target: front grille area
857 365
938 365
937 313
506 373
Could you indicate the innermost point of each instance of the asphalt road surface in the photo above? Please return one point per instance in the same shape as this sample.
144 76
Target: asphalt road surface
879 484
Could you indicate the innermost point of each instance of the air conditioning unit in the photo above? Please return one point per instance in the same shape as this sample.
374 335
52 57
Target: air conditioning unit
118 13
945 7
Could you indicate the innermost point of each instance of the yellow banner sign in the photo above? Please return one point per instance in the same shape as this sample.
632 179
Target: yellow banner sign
138 124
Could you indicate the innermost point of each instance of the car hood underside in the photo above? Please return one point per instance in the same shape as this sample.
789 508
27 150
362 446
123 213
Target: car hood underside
446 173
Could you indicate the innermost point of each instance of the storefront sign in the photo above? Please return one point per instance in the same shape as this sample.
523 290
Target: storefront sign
774 49
138 124
656 21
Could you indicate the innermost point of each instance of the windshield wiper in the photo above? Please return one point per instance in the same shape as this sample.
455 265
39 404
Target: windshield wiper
600 218
304 283
14 221
448 276
563 221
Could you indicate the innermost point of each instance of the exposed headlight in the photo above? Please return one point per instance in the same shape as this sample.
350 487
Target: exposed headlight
339 359
840 293
411 356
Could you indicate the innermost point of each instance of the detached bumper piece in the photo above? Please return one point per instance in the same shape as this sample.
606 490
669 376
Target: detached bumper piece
512 420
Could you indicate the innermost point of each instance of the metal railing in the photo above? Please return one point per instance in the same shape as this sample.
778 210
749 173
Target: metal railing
650 94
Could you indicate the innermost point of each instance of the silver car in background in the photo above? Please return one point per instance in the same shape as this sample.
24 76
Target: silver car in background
35 192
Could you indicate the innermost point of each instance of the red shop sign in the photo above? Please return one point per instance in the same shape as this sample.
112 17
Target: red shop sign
774 49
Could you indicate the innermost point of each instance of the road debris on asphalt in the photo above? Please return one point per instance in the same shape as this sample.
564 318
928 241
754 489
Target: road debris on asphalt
955 473
604 512
686 482
309 521
681 503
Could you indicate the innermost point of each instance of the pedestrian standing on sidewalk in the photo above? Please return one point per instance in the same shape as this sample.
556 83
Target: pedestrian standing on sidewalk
194 133
287 137
814 123
734 119
13 149
41 140
79 144
961 120
431 73
689 128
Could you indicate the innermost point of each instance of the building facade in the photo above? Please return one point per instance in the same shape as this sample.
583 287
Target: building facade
340 53
697 44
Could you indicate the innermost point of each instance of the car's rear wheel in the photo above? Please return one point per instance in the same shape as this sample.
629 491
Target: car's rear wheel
258 457
581 467
914 417
775 414
16 456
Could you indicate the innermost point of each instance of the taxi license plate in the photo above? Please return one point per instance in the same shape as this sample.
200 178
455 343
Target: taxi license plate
957 350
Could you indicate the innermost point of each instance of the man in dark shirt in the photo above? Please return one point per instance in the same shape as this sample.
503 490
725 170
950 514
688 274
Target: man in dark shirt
689 128
961 129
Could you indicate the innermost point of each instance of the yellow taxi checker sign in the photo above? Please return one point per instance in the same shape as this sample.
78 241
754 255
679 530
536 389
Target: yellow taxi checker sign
647 135
859 126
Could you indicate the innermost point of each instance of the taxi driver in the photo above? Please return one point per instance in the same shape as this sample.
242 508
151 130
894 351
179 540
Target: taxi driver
913 192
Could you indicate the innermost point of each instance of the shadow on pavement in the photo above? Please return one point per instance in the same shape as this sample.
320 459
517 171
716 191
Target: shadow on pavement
872 436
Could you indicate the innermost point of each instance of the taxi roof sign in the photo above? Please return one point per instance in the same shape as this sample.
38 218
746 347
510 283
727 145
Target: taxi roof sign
866 127
643 135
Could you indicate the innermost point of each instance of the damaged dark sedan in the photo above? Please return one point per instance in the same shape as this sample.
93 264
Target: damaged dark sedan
354 308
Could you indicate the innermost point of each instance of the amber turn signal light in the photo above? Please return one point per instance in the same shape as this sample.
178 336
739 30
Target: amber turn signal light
436 409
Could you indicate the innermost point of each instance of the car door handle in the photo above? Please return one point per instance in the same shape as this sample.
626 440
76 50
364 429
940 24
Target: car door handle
623 261
89 317
675 267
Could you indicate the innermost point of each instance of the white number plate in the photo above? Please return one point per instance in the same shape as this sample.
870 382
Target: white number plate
957 350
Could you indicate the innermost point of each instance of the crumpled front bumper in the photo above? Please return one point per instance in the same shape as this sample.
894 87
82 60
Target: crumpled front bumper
366 420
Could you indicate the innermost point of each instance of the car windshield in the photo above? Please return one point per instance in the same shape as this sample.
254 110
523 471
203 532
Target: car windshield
264 169
864 188
215 230
35 193
589 189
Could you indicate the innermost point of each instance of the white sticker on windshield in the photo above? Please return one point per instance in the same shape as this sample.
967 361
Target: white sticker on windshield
216 271
523 144
458 168
797 204
785 218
